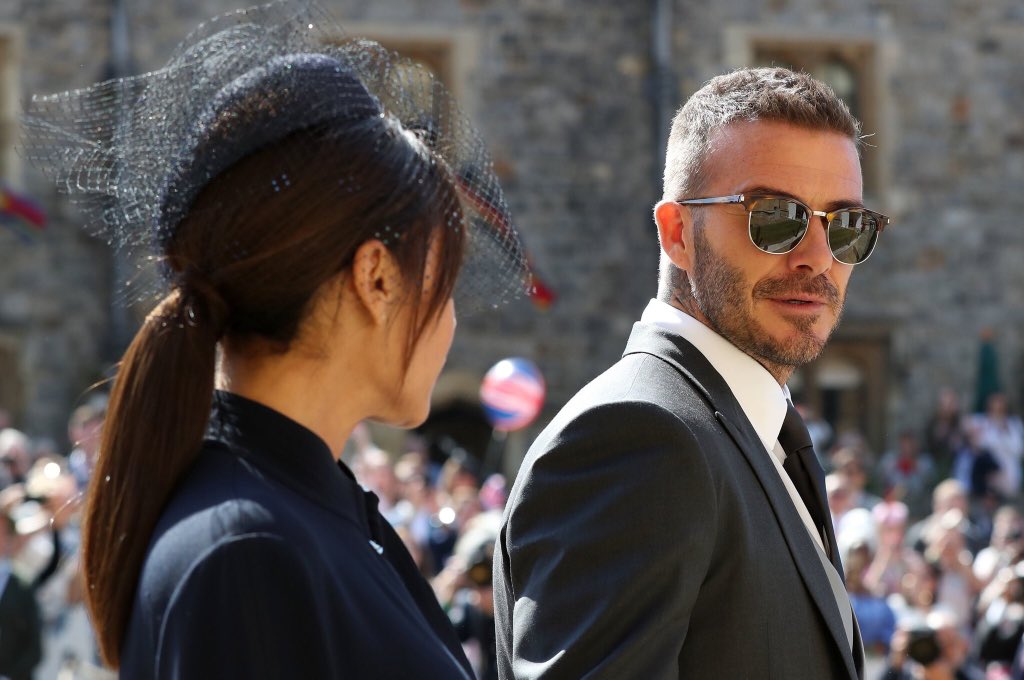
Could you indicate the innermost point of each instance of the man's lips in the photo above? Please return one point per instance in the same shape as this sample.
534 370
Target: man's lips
799 293
798 299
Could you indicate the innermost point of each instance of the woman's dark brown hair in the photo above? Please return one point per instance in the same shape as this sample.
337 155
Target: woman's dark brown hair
258 243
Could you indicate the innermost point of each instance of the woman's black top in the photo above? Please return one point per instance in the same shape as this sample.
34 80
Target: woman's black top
270 561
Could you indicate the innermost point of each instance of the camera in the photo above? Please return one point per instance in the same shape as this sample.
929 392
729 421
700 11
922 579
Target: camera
479 568
923 645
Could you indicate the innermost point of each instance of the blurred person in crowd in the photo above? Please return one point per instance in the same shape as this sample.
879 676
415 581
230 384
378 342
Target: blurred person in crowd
465 500
28 548
838 497
20 628
460 470
983 512
464 588
55 489
908 472
850 462
312 234
932 649
68 640
457 503
974 465
494 492
416 463
84 428
15 455
372 467
947 495
1002 434
1006 546
893 559
44 554
944 432
857 527
875 616
414 486
456 498
947 550
417 507
918 591
1000 626
853 524
671 520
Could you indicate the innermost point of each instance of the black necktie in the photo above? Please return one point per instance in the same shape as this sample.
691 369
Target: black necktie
804 470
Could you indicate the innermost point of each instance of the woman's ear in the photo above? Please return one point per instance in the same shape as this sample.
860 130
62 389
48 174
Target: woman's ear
376 280
675 231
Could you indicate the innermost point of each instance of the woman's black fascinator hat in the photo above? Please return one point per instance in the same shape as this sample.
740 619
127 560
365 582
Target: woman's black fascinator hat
134 153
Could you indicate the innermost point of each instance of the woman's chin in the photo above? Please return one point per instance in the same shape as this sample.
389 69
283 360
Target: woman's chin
405 420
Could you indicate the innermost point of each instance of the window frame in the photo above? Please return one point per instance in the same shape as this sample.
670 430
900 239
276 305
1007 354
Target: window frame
866 54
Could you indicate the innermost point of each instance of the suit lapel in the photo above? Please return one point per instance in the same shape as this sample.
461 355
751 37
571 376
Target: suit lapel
685 358
797 537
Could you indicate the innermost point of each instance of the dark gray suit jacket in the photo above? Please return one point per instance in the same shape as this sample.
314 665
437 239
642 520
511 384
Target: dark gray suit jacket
648 535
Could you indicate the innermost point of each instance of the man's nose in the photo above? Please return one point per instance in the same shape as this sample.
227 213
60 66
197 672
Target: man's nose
813 253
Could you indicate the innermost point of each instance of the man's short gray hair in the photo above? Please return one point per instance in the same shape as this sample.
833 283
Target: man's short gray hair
748 94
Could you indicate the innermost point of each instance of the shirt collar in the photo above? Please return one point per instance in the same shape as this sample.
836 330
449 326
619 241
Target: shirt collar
290 452
762 399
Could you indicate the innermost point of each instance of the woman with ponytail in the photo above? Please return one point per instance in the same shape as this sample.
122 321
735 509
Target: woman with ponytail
310 201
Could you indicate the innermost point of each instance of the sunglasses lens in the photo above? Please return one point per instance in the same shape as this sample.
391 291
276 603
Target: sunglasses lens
777 225
852 235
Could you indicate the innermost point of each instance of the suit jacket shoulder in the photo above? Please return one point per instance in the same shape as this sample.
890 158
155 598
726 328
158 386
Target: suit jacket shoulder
648 535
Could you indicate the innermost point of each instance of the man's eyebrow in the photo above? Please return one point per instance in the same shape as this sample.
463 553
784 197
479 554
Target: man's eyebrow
775 191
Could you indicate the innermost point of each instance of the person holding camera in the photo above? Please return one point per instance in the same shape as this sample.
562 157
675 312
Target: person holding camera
464 588
1000 625
934 649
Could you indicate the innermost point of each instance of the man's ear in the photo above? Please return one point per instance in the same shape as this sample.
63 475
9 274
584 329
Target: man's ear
675 232
375 280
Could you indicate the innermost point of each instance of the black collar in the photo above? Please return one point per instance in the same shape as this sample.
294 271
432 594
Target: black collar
289 452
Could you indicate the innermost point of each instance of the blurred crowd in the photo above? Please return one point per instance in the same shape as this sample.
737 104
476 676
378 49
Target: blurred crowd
931 532
448 514
44 628
932 538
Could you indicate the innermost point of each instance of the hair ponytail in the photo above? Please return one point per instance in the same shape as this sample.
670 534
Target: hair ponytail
157 416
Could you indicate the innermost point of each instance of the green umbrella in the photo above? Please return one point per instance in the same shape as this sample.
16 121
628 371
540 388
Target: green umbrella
988 372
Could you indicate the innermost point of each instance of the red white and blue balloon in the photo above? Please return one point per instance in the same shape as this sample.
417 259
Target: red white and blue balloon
512 394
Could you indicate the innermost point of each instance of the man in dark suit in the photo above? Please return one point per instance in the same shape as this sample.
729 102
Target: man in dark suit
671 521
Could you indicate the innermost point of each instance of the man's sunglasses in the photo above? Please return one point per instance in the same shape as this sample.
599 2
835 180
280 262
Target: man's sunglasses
777 224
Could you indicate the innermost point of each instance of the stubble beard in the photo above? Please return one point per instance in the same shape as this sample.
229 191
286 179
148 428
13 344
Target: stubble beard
718 290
